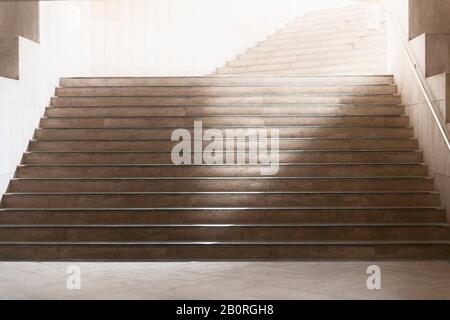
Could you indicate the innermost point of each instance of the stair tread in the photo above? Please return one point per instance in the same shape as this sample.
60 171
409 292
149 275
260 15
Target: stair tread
233 243
371 208
229 225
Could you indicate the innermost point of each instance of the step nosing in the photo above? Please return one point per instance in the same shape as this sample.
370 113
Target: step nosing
375 152
349 127
226 165
237 209
239 95
254 105
226 76
226 225
234 138
247 85
223 243
229 116
318 193
229 178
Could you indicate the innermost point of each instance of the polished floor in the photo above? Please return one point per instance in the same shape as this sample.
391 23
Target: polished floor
229 280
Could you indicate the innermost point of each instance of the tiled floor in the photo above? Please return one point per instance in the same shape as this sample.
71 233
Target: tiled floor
229 280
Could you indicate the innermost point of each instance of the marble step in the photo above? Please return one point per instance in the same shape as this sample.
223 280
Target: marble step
292 156
169 170
224 233
238 184
222 81
222 90
137 101
213 121
241 145
224 111
284 132
270 215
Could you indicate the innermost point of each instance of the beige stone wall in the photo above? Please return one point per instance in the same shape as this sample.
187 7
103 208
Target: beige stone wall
428 16
436 153
17 18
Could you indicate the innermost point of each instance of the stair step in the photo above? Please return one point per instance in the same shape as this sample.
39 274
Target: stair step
222 90
367 41
318 20
324 70
318 31
159 170
220 100
353 8
294 156
363 59
220 215
242 184
219 199
349 144
224 111
188 251
314 38
336 28
212 121
316 56
223 80
224 233
347 48
163 133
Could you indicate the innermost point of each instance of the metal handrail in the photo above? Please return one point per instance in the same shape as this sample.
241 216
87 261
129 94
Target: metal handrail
422 83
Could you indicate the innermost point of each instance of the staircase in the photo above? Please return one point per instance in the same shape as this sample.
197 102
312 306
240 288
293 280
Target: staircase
345 41
97 181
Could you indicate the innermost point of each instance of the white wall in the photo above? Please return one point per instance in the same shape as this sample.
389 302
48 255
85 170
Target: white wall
183 37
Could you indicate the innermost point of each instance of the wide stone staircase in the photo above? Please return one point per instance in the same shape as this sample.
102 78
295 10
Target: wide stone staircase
97 181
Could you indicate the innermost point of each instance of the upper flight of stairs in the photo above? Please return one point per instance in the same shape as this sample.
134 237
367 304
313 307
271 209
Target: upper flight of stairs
97 183
349 40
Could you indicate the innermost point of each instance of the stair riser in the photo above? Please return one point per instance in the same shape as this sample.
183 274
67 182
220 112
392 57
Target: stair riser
222 200
221 217
290 33
155 158
318 56
357 9
180 122
347 48
220 100
314 38
221 253
322 71
161 133
307 185
369 41
345 61
222 171
244 146
223 234
223 81
215 111
331 19
202 91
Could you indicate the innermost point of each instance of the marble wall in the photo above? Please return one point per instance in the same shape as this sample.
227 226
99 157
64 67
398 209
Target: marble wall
17 18
428 16
436 153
